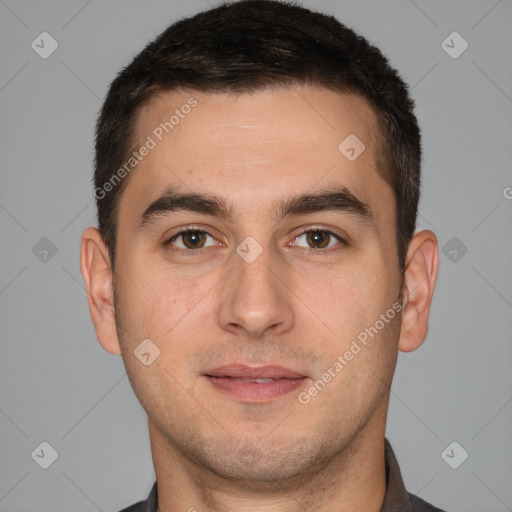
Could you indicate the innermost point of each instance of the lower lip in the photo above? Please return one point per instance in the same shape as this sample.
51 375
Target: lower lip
254 391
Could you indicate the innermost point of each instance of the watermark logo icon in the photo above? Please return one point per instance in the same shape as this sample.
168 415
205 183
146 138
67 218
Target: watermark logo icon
146 352
454 45
44 250
249 454
351 147
454 249
249 249
454 455
44 455
44 45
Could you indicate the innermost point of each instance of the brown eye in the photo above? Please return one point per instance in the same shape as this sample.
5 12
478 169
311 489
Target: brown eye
318 239
191 239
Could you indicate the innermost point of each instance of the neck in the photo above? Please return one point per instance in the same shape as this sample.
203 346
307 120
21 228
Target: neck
352 480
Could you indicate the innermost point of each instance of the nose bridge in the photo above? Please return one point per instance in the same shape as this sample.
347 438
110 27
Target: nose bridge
254 299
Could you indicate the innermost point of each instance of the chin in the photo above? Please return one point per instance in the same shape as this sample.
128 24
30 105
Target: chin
262 466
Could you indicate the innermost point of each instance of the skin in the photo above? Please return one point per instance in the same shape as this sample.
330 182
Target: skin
288 307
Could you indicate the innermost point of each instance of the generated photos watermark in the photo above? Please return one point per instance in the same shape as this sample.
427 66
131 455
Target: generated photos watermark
355 348
157 135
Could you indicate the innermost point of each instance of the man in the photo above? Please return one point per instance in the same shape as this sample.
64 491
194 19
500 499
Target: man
256 266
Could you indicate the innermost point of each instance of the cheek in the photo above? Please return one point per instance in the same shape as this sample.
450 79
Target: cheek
347 299
159 302
361 367
157 305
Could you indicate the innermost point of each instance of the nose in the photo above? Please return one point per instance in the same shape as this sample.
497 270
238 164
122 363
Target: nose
255 299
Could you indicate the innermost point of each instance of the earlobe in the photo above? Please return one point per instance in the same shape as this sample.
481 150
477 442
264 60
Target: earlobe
97 275
419 283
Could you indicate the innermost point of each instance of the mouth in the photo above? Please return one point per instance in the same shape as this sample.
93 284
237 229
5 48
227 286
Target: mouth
255 384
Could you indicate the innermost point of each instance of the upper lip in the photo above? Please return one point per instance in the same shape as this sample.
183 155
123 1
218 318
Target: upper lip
254 372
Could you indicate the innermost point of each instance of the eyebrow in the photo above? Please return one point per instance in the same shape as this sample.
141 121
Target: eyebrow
338 199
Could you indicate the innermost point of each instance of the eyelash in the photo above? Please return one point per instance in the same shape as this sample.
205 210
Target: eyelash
197 252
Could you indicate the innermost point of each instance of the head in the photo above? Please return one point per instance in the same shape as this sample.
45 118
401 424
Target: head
244 112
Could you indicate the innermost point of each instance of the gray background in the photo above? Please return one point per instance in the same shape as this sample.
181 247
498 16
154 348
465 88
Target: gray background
59 386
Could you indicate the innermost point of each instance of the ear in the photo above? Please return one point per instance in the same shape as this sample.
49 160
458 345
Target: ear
97 274
420 277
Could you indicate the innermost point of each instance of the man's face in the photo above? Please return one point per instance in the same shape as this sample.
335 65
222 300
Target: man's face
209 298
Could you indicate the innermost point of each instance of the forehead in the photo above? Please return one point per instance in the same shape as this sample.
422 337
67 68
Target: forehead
255 147
311 115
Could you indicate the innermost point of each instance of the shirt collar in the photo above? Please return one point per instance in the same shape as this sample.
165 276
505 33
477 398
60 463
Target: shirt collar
397 498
